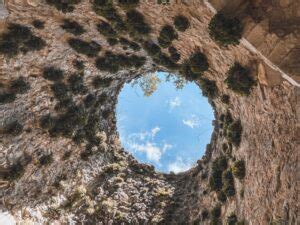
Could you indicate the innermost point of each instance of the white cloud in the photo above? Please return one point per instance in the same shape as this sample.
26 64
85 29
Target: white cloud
176 102
153 152
192 122
154 131
178 166
166 147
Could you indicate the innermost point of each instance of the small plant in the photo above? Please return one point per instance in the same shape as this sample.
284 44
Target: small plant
234 133
90 49
63 5
218 166
7 97
112 41
225 99
76 84
164 60
52 73
72 27
99 82
137 23
238 169
13 128
232 219
78 64
128 4
181 23
46 160
46 121
228 183
89 100
19 86
166 36
13 172
38 24
60 91
33 44
151 48
225 31
106 29
215 215
239 79
133 45
198 62
222 196
175 56
209 88
189 75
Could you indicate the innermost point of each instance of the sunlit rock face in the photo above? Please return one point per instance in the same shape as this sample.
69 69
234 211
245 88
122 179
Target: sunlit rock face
71 168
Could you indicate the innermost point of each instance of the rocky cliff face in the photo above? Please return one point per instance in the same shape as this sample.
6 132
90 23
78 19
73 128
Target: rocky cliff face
61 159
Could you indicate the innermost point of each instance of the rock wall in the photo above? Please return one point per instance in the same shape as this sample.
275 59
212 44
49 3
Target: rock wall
107 185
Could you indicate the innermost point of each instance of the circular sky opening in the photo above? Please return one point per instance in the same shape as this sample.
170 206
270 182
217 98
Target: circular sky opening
164 121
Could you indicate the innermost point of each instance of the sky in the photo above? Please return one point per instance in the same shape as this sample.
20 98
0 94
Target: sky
169 129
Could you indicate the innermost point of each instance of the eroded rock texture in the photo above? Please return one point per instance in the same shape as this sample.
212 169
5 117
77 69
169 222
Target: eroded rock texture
47 177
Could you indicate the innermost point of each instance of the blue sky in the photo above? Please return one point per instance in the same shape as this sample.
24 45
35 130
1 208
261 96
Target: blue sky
169 129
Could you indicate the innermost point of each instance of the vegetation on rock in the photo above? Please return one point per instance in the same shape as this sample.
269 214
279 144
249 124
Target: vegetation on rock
225 31
53 74
166 36
63 5
13 128
239 79
90 49
72 27
238 169
19 86
181 23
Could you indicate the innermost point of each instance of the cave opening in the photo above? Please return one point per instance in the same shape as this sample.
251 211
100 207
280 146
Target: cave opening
165 121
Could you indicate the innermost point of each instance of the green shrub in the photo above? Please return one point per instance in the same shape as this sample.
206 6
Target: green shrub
106 29
163 60
7 97
151 48
114 62
60 91
52 73
225 99
198 62
46 160
19 38
90 100
232 219
181 23
218 166
188 74
46 122
209 88
204 214
174 55
228 183
137 23
38 24
19 86
13 128
222 196
239 79
79 136
13 172
239 169
33 44
78 64
99 82
234 133
215 215
128 4
90 49
133 45
225 31
166 36
72 27
63 5
76 84
112 41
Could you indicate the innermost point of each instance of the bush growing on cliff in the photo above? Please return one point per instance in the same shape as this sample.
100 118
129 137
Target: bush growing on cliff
175 56
19 86
198 62
234 133
90 49
128 4
218 166
232 219
45 160
72 27
166 36
13 128
60 91
137 23
52 73
7 97
225 99
209 88
238 169
239 79
46 121
76 84
99 82
151 48
225 31
181 23
63 5
19 38
215 215
228 183
13 172
38 24
131 44
106 29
